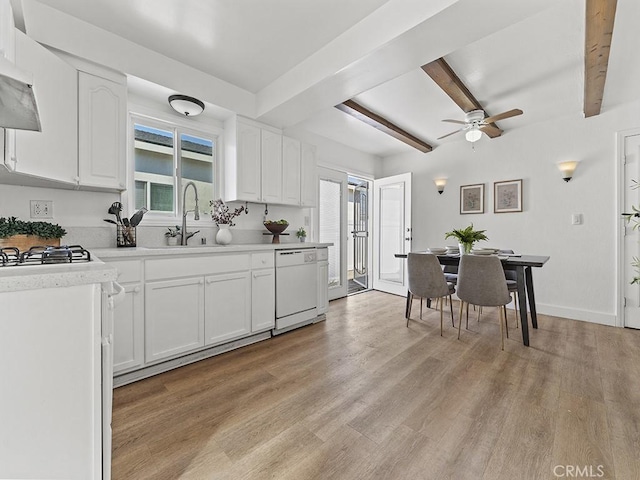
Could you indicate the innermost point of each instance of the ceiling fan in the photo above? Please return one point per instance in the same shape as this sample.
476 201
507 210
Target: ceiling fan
475 124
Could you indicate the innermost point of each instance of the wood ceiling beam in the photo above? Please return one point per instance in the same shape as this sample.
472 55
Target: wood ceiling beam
600 16
444 76
367 116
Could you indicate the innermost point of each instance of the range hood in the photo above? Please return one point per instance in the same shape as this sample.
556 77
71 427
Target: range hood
18 107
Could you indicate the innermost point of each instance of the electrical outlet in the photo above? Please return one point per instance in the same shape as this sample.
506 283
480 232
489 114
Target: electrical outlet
41 209
576 219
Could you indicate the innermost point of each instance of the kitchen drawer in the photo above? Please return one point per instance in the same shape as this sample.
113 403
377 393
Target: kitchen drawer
262 260
128 270
322 254
195 265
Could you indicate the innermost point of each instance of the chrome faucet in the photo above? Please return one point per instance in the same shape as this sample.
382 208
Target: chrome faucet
196 214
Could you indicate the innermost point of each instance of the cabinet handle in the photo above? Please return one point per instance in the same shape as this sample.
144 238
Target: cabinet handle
209 281
136 290
266 274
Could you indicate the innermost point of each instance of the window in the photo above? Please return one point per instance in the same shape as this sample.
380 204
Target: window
166 158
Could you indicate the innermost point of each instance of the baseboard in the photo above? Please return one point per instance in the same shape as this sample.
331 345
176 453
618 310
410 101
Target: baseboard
577 314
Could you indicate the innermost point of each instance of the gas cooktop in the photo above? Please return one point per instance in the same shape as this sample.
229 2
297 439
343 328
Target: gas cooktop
43 255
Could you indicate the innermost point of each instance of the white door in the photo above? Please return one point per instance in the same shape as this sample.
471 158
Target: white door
391 232
332 226
631 292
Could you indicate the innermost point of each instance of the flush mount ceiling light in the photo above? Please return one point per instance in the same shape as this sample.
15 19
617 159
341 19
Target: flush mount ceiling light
187 106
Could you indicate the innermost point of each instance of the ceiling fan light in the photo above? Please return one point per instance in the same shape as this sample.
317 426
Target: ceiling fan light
473 134
187 106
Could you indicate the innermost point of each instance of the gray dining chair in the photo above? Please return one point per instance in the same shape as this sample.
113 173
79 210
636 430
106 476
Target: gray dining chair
481 282
426 280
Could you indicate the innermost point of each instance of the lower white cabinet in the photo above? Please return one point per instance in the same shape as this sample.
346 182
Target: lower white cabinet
263 299
128 337
227 307
174 317
323 280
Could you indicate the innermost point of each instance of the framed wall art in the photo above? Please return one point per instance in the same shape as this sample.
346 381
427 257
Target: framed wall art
472 198
507 196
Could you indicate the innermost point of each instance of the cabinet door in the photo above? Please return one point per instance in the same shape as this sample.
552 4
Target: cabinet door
174 317
227 307
53 152
128 339
263 299
323 287
271 167
248 163
290 171
102 132
309 176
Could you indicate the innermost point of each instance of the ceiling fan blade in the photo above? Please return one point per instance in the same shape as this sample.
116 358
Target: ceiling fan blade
449 134
491 131
454 121
503 115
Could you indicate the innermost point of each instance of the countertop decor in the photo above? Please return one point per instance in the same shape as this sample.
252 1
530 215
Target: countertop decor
24 235
466 237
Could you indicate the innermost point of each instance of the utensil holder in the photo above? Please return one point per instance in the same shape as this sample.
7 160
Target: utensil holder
126 236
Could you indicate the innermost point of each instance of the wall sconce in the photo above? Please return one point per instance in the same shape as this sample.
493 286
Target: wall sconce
440 184
567 169
187 106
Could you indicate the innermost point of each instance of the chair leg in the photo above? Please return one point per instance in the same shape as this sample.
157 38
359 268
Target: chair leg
460 318
501 329
479 313
515 303
421 308
441 314
451 305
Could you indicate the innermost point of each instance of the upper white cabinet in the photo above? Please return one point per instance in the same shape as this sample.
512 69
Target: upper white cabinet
102 130
271 166
262 165
291 186
52 153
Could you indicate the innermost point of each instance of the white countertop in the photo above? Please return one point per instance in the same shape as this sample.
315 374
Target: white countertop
126 252
31 277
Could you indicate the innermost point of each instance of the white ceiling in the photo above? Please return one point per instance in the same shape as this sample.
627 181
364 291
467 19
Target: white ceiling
301 57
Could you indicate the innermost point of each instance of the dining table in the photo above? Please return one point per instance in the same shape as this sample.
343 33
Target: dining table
522 264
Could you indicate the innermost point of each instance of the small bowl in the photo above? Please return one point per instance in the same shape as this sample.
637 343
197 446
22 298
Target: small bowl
276 228
437 250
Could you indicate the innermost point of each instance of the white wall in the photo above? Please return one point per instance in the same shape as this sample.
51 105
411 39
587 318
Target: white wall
579 281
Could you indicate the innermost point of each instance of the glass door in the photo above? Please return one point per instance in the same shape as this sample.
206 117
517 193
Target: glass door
332 227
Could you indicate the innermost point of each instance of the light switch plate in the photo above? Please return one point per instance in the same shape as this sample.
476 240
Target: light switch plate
41 209
576 219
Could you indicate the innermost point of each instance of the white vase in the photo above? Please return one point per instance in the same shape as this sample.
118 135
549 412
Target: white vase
171 241
223 237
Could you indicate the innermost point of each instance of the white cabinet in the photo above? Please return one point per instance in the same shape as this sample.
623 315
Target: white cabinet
174 317
291 159
227 307
242 162
102 132
52 153
262 165
309 176
263 291
323 280
271 155
128 318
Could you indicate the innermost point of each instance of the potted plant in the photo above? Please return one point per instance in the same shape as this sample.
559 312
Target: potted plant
301 234
24 235
172 235
466 238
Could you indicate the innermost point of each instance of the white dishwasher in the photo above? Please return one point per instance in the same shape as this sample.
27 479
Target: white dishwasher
296 288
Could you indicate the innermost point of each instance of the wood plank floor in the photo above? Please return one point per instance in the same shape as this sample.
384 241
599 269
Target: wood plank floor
361 396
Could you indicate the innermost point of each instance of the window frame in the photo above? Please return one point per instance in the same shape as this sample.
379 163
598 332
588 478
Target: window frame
178 127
